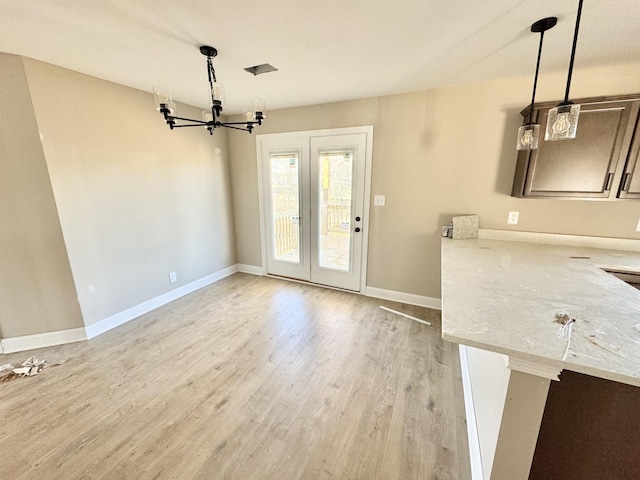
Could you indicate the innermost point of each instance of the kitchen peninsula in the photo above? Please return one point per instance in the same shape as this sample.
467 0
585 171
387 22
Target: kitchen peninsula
501 294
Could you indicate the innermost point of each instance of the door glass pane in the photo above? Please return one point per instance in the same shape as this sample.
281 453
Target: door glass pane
335 186
285 206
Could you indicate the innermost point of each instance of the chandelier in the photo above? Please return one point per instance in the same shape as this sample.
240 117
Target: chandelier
210 118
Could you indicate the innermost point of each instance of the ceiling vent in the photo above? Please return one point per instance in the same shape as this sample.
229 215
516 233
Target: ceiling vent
258 69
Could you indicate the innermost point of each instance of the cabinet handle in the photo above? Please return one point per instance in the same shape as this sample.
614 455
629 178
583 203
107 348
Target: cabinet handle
607 186
625 182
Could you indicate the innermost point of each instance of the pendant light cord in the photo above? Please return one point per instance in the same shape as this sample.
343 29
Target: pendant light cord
535 79
573 53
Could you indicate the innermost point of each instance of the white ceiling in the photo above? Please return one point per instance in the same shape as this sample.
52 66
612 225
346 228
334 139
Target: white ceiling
325 50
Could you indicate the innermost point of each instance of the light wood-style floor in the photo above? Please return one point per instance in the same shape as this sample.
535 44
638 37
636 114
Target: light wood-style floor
249 378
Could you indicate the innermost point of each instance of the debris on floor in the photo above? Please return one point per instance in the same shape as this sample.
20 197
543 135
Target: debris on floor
31 366
405 315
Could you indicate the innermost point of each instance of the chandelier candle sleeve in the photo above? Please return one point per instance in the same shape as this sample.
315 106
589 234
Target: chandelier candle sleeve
210 118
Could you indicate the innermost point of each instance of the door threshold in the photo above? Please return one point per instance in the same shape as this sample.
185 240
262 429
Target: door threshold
307 282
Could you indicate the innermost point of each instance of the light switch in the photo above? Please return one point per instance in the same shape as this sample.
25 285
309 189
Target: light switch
378 200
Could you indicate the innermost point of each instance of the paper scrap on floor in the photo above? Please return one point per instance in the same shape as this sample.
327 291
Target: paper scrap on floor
31 366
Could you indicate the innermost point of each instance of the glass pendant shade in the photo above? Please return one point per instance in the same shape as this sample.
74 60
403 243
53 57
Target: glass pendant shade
162 97
528 137
562 122
207 116
217 94
259 107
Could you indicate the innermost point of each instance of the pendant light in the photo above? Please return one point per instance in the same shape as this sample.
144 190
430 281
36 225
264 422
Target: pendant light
562 122
529 133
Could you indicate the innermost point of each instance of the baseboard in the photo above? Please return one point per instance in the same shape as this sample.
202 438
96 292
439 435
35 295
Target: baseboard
472 426
252 269
125 316
400 297
42 340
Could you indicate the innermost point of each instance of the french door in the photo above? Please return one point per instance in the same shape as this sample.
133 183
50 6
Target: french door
314 214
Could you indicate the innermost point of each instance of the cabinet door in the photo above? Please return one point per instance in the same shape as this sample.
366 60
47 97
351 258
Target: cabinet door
584 167
630 184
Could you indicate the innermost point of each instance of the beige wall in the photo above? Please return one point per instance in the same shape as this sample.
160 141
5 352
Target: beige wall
37 294
436 154
136 200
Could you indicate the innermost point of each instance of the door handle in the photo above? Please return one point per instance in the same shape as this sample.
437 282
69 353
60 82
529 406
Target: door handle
607 186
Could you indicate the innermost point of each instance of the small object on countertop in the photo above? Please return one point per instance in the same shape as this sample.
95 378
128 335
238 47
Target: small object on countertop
563 318
566 329
465 226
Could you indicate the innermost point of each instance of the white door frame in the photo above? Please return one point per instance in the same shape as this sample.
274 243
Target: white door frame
368 130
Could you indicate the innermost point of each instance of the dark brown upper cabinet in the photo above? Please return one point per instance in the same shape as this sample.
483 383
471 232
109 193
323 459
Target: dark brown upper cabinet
630 183
598 164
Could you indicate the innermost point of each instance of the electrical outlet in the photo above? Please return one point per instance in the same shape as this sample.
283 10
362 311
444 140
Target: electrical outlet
638 226
378 200
513 218
173 277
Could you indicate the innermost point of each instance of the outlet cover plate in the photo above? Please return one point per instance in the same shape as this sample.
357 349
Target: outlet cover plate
173 277
512 219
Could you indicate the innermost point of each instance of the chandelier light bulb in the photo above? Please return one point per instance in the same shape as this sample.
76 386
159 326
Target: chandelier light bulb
207 116
217 94
162 97
250 116
259 105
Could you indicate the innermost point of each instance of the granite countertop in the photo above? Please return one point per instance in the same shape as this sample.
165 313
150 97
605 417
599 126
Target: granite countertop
503 296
